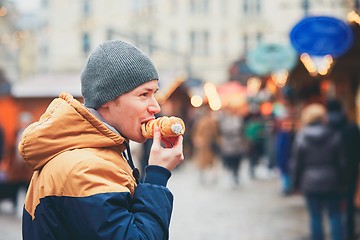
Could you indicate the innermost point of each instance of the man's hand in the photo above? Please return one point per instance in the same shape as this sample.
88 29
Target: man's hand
168 155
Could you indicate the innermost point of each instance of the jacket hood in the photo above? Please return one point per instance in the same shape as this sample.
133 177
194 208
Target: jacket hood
315 134
65 125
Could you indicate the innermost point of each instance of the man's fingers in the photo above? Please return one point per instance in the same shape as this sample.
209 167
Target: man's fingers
157 136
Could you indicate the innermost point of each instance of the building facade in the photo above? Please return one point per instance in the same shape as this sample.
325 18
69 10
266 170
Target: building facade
191 38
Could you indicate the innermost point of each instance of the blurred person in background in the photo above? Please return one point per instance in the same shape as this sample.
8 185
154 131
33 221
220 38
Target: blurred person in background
350 135
2 146
19 171
318 170
2 142
85 184
205 137
254 133
270 141
283 144
231 141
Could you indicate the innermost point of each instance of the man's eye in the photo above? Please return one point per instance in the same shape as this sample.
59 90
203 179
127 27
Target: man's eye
144 94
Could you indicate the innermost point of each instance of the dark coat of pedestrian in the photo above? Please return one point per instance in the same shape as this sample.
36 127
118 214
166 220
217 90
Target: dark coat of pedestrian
350 135
254 131
283 144
319 170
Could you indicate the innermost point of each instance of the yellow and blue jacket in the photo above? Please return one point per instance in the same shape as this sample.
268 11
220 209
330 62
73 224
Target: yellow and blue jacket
83 187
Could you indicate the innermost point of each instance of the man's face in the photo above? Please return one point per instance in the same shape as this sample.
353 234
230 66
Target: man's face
130 110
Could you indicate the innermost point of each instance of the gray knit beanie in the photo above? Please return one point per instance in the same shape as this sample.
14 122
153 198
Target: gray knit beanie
112 69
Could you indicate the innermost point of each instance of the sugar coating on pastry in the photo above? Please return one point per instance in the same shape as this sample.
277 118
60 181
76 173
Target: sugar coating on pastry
169 127
176 128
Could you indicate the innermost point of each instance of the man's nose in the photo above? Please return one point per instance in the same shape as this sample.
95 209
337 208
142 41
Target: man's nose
154 107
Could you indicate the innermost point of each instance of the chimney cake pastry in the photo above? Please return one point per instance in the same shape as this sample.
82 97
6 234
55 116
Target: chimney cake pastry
169 127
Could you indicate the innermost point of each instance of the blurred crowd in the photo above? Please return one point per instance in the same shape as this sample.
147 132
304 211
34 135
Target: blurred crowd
315 154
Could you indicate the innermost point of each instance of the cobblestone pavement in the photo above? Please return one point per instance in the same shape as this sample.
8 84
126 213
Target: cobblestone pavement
253 210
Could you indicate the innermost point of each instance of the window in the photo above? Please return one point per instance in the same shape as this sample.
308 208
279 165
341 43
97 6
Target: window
251 7
245 6
259 37
86 8
44 50
86 43
45 3
150 43
246 43
199 6
258 6
143 7
199 42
